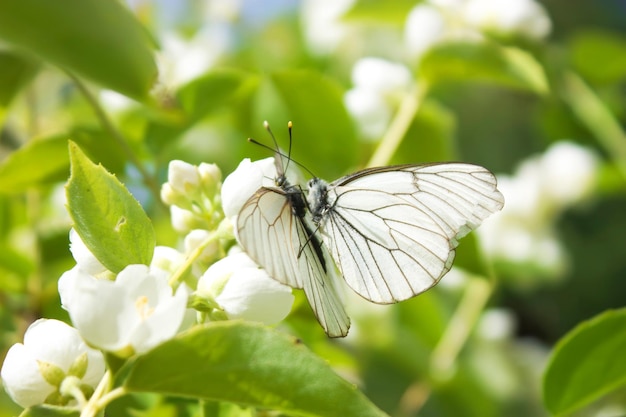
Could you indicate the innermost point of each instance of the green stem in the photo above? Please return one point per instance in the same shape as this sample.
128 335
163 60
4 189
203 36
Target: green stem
117 136
399 126
475 297
589 109
110 396
177 277
94 405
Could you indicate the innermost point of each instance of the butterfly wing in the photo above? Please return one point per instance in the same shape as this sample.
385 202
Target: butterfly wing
392 230
281 242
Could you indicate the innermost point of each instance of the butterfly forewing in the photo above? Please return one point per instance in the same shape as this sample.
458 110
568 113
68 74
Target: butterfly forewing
282 242
392 231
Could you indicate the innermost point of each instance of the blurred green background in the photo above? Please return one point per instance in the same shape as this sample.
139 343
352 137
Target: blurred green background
222 68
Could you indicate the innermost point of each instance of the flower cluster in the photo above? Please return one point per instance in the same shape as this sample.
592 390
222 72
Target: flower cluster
436 21
130 312
380 84
378 87
540 190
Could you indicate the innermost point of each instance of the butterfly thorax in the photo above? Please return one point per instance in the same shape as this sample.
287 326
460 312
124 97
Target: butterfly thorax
293 194
318 199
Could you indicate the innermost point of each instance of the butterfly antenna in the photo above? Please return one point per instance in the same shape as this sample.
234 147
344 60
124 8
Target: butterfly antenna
289 159
289 127
277 153
276 149
266 125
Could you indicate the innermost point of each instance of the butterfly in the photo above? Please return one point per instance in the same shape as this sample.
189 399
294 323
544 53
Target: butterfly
390 232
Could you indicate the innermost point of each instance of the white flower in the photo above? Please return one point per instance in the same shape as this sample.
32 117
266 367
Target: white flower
568 172
425 26
132 314
181 60
496 324
116 102
371 113
167 259
85 260
322 25
51 351
196 237
524 17
542 187
243 182
380 75
378 87
183 220
244 291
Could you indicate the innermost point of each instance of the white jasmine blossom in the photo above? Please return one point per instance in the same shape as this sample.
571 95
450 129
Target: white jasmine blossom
513 17
182 60
541 188
85 260
379 85
184 220
370 112
244 181
132 314
568 172
116 102
167 259
496 324
193 194
243 290
381 75
436 21
52 352
195 238
321 21
425 26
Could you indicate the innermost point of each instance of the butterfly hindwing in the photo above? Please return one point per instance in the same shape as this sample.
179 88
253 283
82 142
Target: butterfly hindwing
279 240
265 227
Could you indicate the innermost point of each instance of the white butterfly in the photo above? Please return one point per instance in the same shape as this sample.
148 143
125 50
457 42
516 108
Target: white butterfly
390 231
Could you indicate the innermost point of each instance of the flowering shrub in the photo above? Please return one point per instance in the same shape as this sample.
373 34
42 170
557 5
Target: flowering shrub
152 307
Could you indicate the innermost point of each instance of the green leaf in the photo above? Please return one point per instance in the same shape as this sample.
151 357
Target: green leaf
39 162
487 62
15 72
470 257
198 99
587 363
15 261
599 55
324 135
109 220
380 12
429 138
99 40
247 364
100 147
211 92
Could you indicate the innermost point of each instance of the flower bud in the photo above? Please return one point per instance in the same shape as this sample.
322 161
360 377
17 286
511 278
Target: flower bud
210 178
183 177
